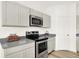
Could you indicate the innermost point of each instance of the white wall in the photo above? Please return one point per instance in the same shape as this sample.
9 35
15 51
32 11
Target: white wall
5 31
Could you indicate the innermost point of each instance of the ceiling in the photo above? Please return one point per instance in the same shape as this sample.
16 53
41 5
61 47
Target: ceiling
43 5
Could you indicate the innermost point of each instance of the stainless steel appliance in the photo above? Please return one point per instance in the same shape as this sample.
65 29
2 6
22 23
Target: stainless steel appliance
35 21
41 49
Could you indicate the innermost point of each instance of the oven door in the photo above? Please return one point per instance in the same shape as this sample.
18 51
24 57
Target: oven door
41 48
36 21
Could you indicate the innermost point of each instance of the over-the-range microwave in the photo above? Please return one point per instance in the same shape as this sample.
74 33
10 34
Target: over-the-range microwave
35 21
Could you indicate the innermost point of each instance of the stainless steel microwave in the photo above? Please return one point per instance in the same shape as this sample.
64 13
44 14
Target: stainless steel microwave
35 21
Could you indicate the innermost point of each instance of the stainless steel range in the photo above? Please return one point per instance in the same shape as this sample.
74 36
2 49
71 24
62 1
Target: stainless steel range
41 49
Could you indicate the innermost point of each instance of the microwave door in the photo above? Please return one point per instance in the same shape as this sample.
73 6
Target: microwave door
35 21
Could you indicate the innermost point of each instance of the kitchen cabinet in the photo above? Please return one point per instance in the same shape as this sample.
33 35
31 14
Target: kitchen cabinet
51 44
36 13
23 16
46 21
15 14
23 51
77 44
27 53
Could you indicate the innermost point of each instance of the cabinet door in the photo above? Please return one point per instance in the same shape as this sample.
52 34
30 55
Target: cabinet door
15 14
31 52
15 55
23 16
36 13
51 44
77 43
46 21
11 14
26 53
4 13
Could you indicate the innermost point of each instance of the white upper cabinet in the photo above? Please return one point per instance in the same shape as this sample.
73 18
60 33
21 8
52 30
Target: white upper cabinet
46 21
23 16
10 13
17 15
36 13
14 14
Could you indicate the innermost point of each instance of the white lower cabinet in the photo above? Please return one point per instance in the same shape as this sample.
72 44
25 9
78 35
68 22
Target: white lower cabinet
22 51
51 44
27 53
77 43
15 55
30 53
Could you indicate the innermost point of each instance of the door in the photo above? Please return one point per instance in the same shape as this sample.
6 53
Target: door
63 33
65 26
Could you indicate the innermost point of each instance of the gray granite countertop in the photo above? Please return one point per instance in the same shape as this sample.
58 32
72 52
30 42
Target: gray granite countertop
5 44
23 40
49 35
77 35
52 35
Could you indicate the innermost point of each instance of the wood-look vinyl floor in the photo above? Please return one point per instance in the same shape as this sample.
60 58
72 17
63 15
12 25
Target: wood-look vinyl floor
63 54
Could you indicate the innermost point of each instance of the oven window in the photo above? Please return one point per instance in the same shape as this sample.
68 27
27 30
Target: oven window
42 47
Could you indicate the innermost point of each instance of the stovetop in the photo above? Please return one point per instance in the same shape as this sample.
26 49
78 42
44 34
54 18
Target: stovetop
41 37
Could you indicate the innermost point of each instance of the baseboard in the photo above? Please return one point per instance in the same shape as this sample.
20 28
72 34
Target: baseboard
77 53
51 52
69 51
66 51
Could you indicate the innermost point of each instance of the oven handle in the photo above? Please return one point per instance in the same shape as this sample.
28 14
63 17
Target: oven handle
41 41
